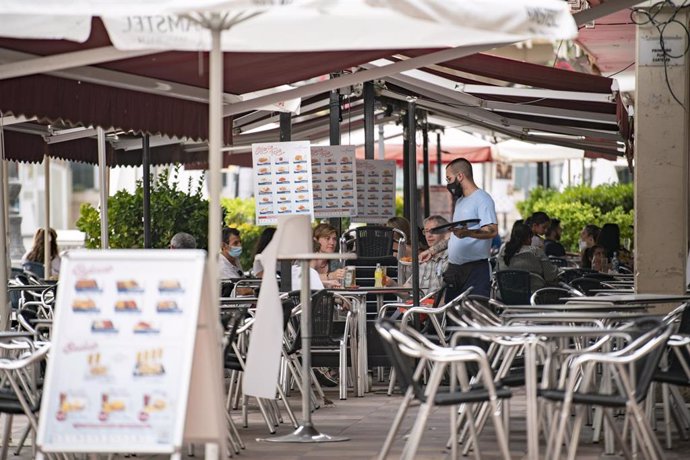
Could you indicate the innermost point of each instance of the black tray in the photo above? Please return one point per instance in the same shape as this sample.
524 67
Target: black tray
459 223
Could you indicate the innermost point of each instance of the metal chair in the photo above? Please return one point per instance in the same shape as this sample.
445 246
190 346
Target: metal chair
410 344
514 286
632 368
587 285
559 261
550 296
35 268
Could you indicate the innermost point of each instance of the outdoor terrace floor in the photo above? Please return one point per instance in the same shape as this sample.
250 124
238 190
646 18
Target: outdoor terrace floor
366 421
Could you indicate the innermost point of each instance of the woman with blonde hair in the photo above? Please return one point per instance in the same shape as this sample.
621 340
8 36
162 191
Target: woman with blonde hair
35 255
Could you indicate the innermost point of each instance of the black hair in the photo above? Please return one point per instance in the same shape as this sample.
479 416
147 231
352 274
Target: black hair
538 218
593 231
518 236
227 232
265 238
553 226
610 238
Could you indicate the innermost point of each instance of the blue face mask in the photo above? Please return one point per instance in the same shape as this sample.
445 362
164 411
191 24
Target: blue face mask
235 251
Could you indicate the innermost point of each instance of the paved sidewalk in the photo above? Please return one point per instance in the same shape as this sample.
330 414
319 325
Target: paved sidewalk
365 421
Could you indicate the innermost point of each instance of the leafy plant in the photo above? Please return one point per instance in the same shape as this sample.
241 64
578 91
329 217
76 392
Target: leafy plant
582 205
172 211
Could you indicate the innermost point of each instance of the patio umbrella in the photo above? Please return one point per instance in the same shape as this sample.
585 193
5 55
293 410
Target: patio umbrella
281 25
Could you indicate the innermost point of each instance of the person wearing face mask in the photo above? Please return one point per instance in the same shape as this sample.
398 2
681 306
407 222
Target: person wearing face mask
468 248
589 236
230 251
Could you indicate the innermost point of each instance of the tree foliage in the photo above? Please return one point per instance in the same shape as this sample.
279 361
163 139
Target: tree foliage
582 205
172 211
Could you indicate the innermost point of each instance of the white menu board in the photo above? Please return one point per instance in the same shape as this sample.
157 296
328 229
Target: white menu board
119 372
375 191
333 180
282 180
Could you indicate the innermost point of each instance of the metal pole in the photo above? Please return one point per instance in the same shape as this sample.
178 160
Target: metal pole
334 120
305 323
4 298
406 172
334 136
540 174
369 98
382 143
146 180
46 227
439 163
285 265
547 174
411 166
425 156
215 142
103 178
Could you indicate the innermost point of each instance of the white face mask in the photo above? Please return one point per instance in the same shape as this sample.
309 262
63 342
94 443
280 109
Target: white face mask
583 245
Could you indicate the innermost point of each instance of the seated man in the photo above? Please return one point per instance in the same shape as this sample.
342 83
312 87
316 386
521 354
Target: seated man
230 251
182 240
552 241
431 271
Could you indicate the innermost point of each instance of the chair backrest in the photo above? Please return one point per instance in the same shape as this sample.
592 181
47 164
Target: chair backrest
371 241
35 268
559 261
322 310
550 296
675 365
403 365
514 286
650 352
599 276
570 274
586 285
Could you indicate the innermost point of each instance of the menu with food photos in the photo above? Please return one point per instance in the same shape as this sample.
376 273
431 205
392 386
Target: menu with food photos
333 180
123 340
282 180
375 191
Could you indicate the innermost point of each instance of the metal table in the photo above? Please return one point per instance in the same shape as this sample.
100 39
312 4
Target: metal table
307 432
360 294
628 299
532 335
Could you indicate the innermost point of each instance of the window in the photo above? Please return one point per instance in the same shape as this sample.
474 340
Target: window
83 176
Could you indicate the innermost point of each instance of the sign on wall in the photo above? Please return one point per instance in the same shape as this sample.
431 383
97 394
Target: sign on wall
375 191
333 180
282 180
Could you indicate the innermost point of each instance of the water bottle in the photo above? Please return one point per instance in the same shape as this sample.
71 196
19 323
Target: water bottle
615 263
378 276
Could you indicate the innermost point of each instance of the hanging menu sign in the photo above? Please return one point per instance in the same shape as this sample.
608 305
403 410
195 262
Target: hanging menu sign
118 377
375 190
333 179
282 180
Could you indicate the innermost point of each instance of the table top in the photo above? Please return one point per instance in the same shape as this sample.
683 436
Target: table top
601 305
30 287
238 300
566 315
616 291
318 255
548 331
7 335
372 290
630 298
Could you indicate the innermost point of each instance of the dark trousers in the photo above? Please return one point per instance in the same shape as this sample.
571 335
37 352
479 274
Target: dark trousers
459 278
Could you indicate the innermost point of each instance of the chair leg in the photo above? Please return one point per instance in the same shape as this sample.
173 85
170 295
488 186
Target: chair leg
22 440
575 436
617 435
391 383
288 409
423 414
342 371
6 436
666 403
395 426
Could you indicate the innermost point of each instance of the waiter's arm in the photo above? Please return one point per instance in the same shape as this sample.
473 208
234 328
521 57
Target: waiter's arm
483 233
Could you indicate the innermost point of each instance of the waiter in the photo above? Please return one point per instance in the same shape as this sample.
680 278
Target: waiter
468 248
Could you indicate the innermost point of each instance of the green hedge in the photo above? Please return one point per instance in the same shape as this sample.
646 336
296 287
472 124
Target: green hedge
172 211
582 205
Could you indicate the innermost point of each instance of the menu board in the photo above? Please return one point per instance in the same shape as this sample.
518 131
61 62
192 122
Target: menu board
333 179
282 180
375 191
123 338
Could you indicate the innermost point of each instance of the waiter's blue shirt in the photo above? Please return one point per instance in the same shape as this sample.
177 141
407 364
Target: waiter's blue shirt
478 205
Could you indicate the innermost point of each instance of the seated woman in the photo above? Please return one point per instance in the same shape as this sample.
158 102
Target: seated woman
33 259
595 258
265 238
518 254
610 239
325 241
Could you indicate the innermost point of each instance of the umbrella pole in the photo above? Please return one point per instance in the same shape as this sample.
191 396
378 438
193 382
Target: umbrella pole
103 177
47 256
411 167
4 299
